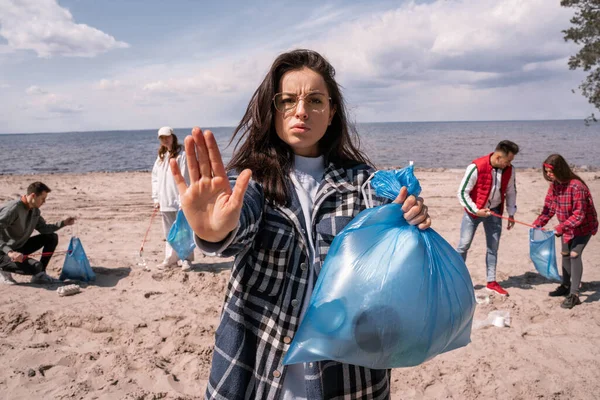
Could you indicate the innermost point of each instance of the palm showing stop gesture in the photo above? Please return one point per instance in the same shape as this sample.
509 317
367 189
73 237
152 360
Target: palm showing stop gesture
211 207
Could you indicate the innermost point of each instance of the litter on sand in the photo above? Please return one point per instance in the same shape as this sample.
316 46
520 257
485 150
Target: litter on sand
68 290
498 318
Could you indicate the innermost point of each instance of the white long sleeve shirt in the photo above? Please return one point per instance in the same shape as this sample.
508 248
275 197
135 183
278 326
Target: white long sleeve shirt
164 189
306 177
495 198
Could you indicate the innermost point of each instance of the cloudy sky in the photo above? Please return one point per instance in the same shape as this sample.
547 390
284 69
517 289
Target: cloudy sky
73 65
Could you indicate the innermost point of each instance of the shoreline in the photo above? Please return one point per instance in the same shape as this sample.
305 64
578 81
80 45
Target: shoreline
583 168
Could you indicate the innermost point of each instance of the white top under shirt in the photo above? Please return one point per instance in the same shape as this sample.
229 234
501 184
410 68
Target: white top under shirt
164 188
468 183
306 178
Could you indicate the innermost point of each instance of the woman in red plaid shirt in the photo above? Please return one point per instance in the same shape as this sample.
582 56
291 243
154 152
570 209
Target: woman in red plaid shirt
571 201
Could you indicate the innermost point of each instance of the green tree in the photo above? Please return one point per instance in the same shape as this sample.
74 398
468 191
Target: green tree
586 32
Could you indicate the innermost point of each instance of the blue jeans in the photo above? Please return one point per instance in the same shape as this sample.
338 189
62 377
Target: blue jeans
493 228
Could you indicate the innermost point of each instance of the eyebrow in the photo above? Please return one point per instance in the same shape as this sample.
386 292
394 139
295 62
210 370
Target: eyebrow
309 92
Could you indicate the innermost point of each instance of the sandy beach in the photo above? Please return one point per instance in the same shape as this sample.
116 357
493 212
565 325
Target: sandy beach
139 334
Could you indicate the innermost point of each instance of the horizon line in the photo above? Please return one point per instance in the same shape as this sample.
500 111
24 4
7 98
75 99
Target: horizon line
357 123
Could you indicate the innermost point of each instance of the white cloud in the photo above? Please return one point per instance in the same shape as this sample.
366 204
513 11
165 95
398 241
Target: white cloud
49 29
553 65
5 49
45 102
204 84
410 42
35 90
219 77
320 17
109 84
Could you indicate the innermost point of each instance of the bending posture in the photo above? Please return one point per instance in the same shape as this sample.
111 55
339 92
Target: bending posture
570 200
293 184
165 194
18 219
488 182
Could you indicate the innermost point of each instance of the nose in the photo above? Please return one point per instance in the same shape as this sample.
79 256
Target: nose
301 111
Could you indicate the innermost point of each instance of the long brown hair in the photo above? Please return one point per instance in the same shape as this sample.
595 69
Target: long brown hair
561 169
173 151
271 159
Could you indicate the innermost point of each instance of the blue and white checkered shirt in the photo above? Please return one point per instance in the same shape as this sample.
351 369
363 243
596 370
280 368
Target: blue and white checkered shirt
266 291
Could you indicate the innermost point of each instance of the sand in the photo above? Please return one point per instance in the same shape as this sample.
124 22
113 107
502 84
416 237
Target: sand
137 334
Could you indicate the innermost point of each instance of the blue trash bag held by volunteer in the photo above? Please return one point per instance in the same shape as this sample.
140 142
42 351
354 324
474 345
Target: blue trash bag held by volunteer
76 265
388 295
181 237
542 252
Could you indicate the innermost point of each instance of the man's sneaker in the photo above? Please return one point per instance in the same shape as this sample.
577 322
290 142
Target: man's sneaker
165 265
186 266
571 301
6 278
496 288
562 290
43 277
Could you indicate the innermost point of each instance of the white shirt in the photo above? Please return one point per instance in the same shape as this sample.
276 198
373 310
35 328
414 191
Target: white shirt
306 178
470 179
164 189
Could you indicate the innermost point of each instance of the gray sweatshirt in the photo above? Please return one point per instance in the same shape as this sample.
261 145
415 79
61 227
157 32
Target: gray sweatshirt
17 223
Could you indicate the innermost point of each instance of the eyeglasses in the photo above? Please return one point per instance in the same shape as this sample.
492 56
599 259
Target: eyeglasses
285 102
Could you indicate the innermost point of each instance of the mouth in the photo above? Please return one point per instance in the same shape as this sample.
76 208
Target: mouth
300 128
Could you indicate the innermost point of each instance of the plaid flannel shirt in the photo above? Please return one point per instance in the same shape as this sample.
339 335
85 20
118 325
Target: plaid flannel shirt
573 206
266 291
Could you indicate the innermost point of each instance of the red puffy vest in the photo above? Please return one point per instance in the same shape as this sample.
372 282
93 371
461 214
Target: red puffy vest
481 191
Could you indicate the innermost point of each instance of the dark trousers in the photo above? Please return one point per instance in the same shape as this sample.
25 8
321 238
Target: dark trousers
47 242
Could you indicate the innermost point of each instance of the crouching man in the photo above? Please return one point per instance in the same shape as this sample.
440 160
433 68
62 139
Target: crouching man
18 219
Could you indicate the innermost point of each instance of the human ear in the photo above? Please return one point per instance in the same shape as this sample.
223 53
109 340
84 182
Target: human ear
331 114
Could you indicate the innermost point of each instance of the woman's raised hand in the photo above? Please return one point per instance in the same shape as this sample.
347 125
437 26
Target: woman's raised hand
210 206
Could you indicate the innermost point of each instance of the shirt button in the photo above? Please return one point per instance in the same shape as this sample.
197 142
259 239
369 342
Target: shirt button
287 340
276 374
303 266
295 303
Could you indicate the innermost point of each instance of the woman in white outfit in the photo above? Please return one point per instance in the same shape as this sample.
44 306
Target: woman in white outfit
164 191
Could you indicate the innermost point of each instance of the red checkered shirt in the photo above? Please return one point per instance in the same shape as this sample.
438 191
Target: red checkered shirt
574 208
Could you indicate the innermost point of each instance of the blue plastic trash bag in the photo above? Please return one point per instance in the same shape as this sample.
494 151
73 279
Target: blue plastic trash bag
388 295
77 265
543 253
181 237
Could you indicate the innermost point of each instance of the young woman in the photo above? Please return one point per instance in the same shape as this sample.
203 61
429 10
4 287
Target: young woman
293 184
571 201
164 191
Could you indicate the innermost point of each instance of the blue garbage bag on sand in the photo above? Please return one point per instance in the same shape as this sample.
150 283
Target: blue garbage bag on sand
542 252
181 237
388 295
76 265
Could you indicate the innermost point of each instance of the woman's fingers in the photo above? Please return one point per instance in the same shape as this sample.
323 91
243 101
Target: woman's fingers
192 161
179 181
415 212
419 218
401 196
237 196
214 154
201 153
413 207
426 224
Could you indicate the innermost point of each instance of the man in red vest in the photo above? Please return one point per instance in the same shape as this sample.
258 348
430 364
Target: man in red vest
488 182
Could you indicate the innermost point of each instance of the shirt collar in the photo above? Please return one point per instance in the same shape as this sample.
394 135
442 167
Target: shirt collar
24 200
